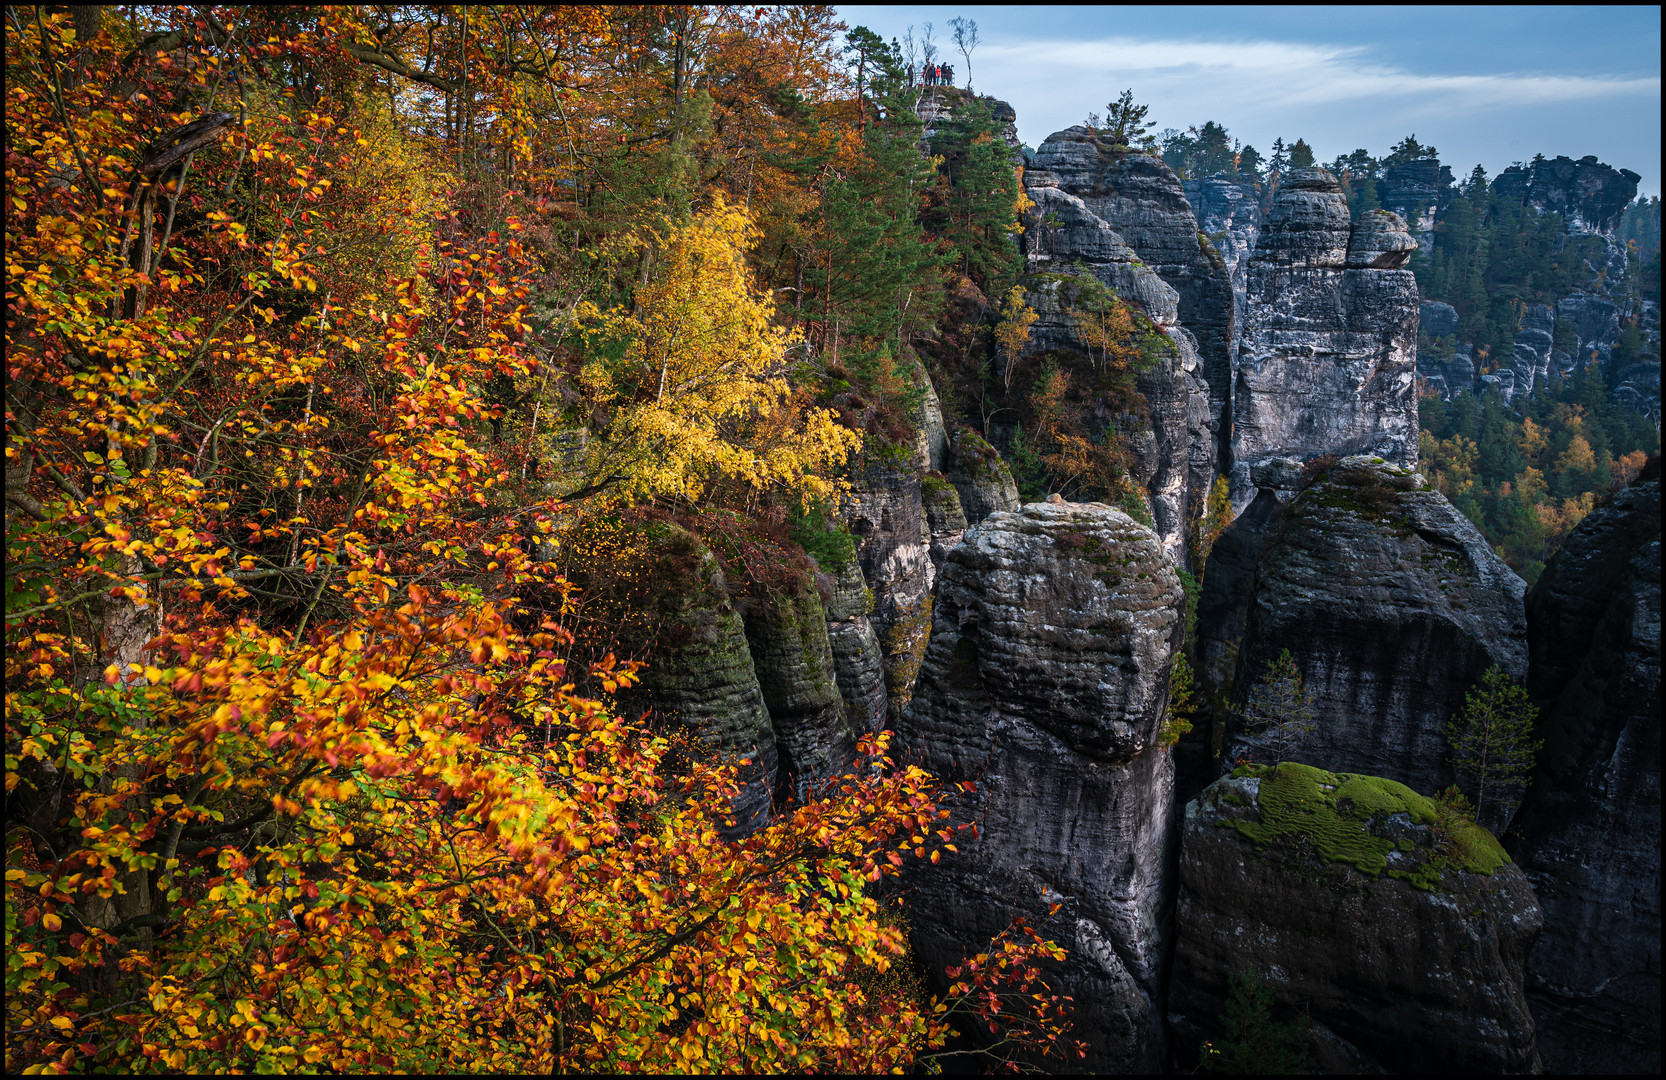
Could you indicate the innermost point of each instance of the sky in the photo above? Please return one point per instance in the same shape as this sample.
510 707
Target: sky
1487 85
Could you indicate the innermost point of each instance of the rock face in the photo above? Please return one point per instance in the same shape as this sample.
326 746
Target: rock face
857 664
1590 196
938 103
1142 200
793 659
1174 453
886 515
1417 190
1336 890
1229 213
945 516
1588 834
1045 683
1595 326
979 476
1327 361
702 673
1393 605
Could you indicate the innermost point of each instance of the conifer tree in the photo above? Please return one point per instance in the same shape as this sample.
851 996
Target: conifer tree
1251 1040
1301 155
1125 124
979 214
1280 708
1492 741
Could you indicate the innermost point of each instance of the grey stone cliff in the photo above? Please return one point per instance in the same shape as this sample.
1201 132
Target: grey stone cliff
1590 196
1141 198
1174 450
1392 976
793 658
1393 605
857 664
1327 360
980 477
1588 834
702 674
886 515
1045 684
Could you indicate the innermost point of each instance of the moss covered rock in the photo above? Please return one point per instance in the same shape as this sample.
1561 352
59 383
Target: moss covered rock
981 478
857 664
1403 933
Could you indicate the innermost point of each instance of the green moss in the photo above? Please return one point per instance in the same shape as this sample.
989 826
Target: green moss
1339 816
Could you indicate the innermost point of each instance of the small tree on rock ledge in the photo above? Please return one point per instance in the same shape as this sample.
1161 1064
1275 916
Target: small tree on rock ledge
1492 741
1280 708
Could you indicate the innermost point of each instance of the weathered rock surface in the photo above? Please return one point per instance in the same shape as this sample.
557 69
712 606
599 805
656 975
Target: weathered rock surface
1327 360
937 104
1588 834
979 476
1045 683
1417 191
945 517
857 664
886 516
931 438
1590 196
1173 449
1142 200
1228 211
1393 605
1336 891
793 659
702 674
1595 325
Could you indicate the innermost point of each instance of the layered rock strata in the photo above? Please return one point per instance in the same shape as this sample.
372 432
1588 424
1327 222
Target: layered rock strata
1173 447
1417 190
858 666
702 675
979 476
1588 835
1590 196
886 515
1141 199
1327 360
1342 895
945 516
1045 684
1392 604
793 659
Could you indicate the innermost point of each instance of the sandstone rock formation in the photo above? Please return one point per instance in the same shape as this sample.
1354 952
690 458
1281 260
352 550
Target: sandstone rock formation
1339 893
1590 196
886 516
793 660
702 674
979 476
1141 199
1228 212
1327 359
1174 446
937 104
1393 605
857 664
1588 835
1045 684
945 516
1417 190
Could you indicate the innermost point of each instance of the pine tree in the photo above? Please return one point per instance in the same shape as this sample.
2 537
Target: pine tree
1125 124
979 214
1251 1040
1492 741
1301 155
1280 708
1280 159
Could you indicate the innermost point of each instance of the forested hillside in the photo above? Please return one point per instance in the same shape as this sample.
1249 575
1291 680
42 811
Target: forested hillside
334 336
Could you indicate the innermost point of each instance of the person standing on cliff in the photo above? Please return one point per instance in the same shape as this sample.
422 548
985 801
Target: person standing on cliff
948 75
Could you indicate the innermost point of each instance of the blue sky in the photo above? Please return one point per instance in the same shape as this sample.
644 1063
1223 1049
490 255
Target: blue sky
1483 84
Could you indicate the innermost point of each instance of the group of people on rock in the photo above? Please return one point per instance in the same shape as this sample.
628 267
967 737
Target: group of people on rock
936 75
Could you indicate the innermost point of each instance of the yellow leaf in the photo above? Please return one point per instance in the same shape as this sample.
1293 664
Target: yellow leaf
63 1023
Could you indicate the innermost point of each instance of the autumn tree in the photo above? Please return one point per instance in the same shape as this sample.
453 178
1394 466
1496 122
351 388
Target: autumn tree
1492 744
692 382
1012 333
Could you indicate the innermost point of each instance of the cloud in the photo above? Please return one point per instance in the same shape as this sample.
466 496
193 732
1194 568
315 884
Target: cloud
1271 74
